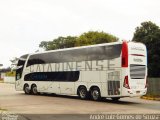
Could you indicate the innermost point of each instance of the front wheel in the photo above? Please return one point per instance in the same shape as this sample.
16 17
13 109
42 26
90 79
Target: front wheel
95 94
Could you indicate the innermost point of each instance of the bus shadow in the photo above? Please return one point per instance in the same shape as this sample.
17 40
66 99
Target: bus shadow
103 100
122 102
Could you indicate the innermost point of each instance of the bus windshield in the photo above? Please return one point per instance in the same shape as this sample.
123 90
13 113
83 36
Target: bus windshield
20 66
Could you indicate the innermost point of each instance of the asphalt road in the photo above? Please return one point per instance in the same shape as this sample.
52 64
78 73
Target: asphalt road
66 107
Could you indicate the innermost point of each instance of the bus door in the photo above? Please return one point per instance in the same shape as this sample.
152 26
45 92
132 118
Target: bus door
67 85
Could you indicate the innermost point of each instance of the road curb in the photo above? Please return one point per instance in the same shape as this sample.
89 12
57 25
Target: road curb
150 98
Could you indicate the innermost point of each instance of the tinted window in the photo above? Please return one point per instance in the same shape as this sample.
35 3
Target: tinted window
70 76
137 71
83 54
20 66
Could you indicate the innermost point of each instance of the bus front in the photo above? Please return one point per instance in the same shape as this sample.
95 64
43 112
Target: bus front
19 72
134 63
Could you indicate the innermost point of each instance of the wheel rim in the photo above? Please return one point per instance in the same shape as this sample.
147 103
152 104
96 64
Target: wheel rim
82 93
95 94
34 90
27 90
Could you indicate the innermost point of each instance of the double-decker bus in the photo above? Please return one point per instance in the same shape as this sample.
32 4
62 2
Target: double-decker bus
109 70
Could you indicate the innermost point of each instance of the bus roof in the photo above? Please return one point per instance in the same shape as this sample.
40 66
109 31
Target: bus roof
79 47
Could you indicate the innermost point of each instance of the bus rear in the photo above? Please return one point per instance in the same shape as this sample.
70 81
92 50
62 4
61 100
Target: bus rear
134 63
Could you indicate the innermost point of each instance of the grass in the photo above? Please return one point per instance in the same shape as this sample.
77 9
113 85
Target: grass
3 109
1 80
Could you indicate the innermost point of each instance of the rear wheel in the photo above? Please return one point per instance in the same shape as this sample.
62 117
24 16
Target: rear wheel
26 89
95 94
34 90
83 93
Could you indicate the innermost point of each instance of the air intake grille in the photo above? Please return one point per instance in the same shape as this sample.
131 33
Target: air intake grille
137 71
113 87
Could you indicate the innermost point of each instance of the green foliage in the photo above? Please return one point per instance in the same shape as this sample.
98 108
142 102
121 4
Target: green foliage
11 74
94 37
59 43
149 34
89 38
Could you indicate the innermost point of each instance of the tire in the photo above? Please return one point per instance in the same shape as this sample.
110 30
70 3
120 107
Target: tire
115 98
34 90
26 89
95 94
83 93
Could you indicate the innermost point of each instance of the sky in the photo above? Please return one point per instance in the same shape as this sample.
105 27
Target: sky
25 23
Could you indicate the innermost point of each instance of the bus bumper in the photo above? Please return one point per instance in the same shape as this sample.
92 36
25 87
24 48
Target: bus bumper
136 93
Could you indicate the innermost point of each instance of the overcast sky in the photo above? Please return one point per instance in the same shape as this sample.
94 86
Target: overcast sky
25 23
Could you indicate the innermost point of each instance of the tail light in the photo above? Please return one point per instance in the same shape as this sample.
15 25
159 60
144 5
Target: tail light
124 54
126 82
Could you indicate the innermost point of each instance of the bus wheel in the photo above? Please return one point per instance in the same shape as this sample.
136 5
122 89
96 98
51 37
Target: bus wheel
115 98
34 89
95 94
82 92
26 89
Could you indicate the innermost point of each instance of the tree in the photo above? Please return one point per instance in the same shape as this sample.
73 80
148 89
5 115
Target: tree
95 37
89 38
59 43
149 34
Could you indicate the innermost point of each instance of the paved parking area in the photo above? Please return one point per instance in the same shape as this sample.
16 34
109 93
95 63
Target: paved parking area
49 105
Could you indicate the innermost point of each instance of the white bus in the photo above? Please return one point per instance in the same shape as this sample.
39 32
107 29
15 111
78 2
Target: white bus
110 70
